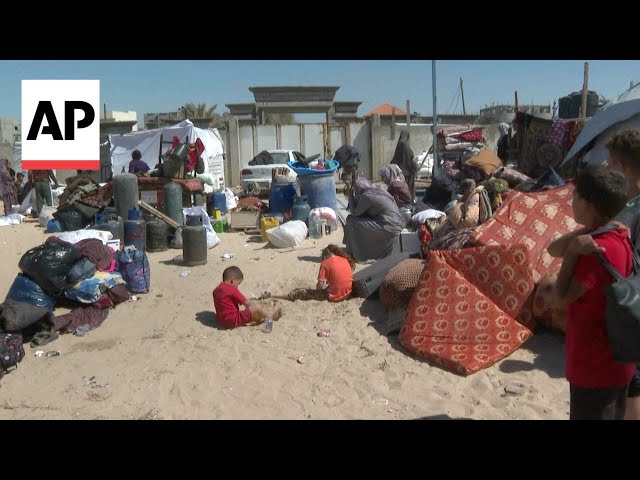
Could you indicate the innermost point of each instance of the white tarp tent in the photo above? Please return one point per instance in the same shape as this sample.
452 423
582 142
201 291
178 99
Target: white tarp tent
148 142
614 117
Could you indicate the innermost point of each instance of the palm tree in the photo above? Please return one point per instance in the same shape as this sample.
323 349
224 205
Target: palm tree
203 114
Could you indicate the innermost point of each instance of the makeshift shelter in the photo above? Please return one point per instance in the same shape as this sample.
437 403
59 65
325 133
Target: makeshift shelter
614 117
148 142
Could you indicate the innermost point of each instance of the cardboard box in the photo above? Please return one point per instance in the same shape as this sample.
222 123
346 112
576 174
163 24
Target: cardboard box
245 220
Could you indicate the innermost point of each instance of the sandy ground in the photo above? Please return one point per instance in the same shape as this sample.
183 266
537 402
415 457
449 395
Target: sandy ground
163 357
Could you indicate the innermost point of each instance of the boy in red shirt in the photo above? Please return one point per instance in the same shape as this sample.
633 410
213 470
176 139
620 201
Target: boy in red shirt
598 384
227 300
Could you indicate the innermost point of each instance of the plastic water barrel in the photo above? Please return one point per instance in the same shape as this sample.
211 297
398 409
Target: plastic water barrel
194 242
125 193
218 200
156 236
281 197
173 201
320 190
135 231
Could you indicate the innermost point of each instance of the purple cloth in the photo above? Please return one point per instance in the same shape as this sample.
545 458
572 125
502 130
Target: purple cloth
91 316
138 166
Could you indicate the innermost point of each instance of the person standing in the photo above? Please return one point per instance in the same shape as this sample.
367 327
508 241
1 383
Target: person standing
7 188
40 181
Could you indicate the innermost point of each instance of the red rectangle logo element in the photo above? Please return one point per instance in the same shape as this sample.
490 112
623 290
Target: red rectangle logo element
61 164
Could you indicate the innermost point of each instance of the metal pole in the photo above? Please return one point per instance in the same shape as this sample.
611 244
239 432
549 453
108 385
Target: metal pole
464 108
436 164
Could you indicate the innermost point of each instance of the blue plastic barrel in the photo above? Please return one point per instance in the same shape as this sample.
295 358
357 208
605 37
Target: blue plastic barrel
281 197
320 190
219 201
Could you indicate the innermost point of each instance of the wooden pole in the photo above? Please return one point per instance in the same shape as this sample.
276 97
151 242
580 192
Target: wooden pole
517 107
408 114
464 108
585 87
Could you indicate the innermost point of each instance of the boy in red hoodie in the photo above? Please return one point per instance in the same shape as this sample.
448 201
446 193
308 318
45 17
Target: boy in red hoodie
227 300
598 383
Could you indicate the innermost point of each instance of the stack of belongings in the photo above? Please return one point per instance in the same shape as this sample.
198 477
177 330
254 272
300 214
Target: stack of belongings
534 220
81 200
455 146
475 303
86 275
543 143
251 204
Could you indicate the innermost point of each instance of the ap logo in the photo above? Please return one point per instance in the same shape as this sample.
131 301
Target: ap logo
60 128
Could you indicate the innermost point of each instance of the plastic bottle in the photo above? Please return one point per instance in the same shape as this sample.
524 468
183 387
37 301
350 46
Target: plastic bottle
268 325
314 227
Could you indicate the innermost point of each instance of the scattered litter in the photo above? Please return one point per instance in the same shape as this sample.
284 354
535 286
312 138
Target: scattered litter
301 359
82 330
242 234
227 255
185 273
52 353
255 259
159 295
91 383
246 244
324 333
514 389
268 325
134 298
381 402
38 354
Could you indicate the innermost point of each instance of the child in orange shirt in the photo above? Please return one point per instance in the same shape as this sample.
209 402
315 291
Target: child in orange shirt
335 278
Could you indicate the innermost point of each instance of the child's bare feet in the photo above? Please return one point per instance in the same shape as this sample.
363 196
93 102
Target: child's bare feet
277 315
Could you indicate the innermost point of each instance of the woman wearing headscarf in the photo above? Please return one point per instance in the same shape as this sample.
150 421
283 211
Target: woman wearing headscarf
396 186
7 188
403 158
374 223
503 142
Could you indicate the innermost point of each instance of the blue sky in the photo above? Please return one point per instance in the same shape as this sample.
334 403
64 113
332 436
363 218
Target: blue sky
159 86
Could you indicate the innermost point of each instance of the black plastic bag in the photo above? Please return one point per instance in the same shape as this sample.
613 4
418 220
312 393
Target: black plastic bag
26 290
49 264
71 220
84 268
16 316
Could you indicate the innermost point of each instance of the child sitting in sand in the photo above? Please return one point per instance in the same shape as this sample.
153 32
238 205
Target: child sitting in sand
227 300
598 383
335 279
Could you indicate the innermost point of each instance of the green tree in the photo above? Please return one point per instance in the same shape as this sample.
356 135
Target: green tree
200 111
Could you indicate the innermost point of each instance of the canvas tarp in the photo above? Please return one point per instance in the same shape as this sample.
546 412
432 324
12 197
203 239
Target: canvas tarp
148 142
613 117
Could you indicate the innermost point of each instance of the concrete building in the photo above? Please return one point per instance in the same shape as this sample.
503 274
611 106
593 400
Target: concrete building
10 130
114 122
506 113
159 120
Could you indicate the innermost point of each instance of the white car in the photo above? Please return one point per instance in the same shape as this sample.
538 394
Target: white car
256 179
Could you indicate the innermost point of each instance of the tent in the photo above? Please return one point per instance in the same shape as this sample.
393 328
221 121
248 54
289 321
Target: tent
614 117
148 142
